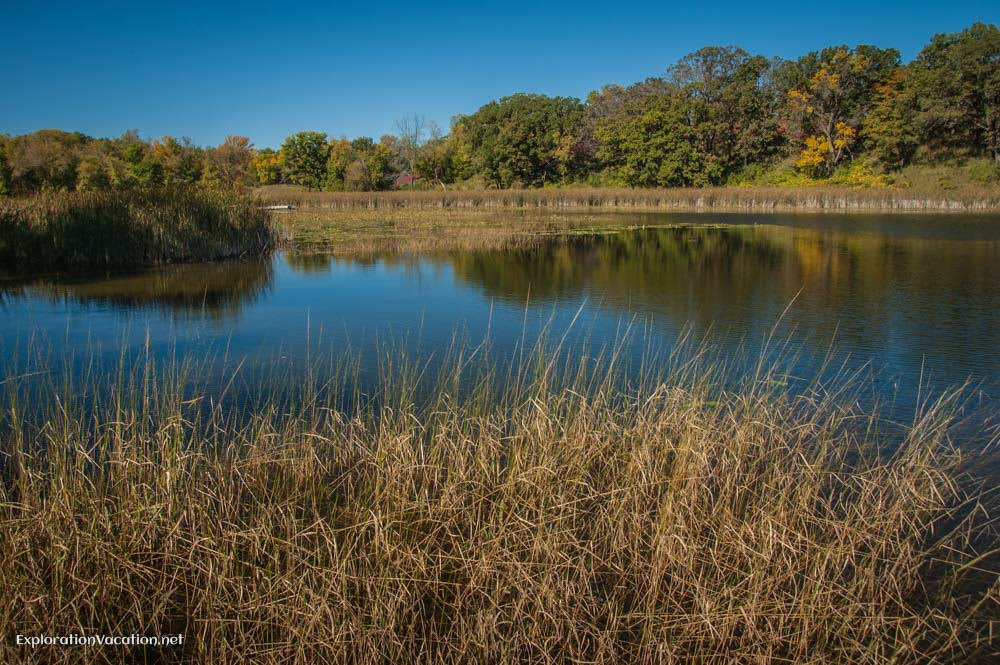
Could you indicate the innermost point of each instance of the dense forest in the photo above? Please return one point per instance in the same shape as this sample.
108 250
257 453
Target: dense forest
850 116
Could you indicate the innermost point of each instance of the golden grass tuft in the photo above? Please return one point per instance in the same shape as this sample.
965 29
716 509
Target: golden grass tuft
507 518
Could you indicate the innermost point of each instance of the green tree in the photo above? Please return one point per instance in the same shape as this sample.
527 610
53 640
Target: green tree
612 100
147 172
437 161
140 167
359 165
652 143
730 113
340 157
304 157
180 160
363 144
955 82
890 132
210 176
124 156
379 162
521 139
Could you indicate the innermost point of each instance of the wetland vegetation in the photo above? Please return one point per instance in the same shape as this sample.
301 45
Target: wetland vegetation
116 229
533 512
238 400
551 494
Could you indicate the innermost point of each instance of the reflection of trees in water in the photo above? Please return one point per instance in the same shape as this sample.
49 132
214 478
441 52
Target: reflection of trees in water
872 283
877 288
320 263
863 282
639 267
309 264
213 290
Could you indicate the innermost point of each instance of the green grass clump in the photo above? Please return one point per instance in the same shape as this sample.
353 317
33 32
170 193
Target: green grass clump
507 518
984 171
71 231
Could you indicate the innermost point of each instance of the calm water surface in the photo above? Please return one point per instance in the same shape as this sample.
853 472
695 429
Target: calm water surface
899 297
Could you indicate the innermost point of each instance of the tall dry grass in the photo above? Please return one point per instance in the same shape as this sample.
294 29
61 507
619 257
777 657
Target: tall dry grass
70 230
533 515
775 199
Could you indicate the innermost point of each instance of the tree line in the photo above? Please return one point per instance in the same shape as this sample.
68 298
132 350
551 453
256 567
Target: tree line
720 115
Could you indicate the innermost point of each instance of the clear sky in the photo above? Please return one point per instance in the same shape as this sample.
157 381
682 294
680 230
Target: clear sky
205 70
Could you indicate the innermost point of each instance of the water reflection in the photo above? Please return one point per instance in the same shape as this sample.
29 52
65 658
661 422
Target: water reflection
214 291
309 264
864 282
918 290
911 297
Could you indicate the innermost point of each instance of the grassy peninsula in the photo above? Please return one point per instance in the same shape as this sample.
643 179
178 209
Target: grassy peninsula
115 229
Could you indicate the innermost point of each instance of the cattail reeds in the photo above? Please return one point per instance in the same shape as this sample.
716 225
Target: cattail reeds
97 230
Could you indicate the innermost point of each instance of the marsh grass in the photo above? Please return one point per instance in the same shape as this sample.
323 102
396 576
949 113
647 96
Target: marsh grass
409 231
542 511
60 231
761 199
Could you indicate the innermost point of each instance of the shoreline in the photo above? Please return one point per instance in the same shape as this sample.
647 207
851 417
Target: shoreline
713 199
420 228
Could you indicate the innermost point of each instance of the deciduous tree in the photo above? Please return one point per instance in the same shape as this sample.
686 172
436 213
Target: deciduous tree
730 112
652 143
412 130
233 160
267 166
437 161
519 140
304 156
956 85
181 161
44 159
889 131
826 110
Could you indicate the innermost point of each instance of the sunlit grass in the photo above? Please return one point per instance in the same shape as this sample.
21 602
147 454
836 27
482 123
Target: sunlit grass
359 231
57 231
738 198
547 510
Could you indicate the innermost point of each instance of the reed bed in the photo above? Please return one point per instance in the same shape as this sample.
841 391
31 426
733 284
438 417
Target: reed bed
527 515
408 230
762 199
57 231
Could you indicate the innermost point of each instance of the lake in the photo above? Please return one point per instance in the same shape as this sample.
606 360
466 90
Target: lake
911 302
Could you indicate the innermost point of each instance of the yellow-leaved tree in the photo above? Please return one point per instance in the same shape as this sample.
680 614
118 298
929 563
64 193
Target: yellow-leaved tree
828 107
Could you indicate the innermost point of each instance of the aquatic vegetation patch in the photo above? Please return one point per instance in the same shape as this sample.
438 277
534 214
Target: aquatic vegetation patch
96 230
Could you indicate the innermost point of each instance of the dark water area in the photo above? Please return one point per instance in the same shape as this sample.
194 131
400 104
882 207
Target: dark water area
911 303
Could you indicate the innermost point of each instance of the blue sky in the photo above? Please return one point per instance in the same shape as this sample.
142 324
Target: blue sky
267 69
